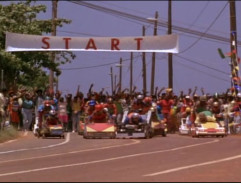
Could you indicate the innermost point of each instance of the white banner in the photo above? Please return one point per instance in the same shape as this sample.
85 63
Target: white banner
25 42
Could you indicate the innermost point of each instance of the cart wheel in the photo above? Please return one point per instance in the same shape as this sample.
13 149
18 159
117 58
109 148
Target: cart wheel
164 134
147 134
86 137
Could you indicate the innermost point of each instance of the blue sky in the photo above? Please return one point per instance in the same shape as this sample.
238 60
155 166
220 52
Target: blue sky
197 64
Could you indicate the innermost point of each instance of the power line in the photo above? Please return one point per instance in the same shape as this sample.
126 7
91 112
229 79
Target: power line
80 33
199 15
101 65
160 23
189 60
195 62
205 31
207 73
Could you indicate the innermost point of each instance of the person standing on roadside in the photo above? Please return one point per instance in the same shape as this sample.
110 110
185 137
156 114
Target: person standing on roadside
38 100
166 105
14 111
2 109
27 111
76 108
69 110
62 113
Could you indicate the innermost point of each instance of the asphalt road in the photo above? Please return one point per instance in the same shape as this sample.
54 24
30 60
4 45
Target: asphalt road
160 159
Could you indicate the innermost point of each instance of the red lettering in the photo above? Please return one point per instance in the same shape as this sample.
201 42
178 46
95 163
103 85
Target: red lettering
44 40
138 43
114 44
66 42
91 44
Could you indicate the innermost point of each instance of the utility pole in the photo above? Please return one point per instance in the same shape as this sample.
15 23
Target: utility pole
170 66
233 47
1 79
57 83
120 76
111 76
115 82
154 57
144 64
57 77
131 73
51 72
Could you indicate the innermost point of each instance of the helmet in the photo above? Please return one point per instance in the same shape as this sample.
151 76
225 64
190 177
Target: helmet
99 107
147 99
188 109
52 112
140 97
215 104
92 103
135 116
47 102
239 95
109 100
187 97
47 98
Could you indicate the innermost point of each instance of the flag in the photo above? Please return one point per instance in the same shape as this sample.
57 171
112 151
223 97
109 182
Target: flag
229 54
221 53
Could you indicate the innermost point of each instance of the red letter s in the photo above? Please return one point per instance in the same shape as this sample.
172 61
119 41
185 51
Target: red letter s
44 40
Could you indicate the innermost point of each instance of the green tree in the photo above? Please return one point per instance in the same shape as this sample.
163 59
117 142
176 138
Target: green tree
28 68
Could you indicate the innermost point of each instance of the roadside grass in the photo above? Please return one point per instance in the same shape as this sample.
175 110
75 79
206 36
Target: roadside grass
9 133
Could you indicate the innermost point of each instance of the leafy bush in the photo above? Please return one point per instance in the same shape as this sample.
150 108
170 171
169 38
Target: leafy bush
9 133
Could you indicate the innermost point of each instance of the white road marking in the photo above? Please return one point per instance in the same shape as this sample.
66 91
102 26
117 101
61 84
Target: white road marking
37 148
9 141
72 152
25 133
194 166
103 160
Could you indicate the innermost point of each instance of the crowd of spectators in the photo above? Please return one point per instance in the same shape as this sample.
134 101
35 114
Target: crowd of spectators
21 107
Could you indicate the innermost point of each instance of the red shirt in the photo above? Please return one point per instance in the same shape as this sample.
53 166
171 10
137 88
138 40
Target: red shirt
98 115
166 105
111 108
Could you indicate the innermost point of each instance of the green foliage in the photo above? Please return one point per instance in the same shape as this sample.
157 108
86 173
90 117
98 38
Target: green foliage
28 68
8 133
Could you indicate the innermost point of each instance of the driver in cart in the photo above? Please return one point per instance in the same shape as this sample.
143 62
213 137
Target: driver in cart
52 119
44 110
99 114
133 118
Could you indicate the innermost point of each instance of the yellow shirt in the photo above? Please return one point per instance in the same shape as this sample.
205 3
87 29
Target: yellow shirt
76 106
